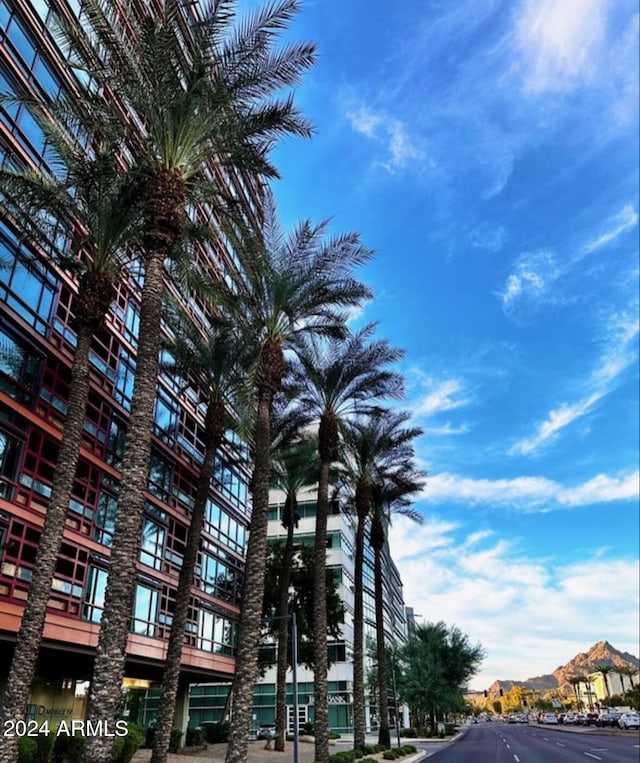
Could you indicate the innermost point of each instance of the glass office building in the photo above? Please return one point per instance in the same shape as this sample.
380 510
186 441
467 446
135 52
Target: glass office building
36 347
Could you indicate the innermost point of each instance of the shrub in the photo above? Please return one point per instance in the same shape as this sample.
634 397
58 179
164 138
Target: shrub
195 737
127 746
409 733
26 749
174 740
69 749
214 733
408 749
368 760
390 755
449 729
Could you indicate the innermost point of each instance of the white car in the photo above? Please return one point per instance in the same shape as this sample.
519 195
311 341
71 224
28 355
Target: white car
629 721
550 719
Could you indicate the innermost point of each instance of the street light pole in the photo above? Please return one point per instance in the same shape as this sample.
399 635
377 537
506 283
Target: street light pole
294 680
395 698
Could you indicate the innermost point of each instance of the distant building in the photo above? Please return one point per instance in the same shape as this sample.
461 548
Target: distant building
207 702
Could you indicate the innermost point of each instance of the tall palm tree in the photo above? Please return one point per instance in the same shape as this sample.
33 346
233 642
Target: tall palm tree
373 446
390 495
294 469
337 379
89 200
292 286
212 363
189 98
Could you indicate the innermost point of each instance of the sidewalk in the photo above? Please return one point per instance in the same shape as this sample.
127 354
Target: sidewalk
215 753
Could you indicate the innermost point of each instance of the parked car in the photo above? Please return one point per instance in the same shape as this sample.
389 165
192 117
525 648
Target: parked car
590 719
629 721
267 731
549 719
570 719
608 719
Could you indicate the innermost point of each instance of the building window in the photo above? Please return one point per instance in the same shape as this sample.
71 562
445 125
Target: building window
216 634
105 518
94 594
25 286
19 369
152 544
145 611
10 455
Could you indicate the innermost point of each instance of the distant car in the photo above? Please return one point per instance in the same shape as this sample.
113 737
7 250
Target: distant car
608 719
266 731
580 719
549 719
629 721
590 719
570 719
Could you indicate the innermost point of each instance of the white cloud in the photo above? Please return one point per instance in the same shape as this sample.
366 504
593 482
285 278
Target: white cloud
561 42
617 357
399 147
535 272
442 396
528 493
488 587
364 120
626 219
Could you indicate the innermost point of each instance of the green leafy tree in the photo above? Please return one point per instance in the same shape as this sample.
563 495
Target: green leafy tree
438 662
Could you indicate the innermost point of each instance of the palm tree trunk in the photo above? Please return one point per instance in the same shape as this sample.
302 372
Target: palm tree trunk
108 671
283 632
359 729
214 432
384 736
18 687
253 593
320 656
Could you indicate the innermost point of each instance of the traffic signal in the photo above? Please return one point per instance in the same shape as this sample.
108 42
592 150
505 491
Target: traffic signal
501 693
524 703
485 692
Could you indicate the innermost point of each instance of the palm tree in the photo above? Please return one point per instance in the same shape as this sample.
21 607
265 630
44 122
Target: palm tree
90 202
390 495
605 670
372 446
292 286
294 469
212 363
189 98
337 379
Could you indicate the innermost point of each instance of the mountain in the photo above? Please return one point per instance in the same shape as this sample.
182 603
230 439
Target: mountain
601 653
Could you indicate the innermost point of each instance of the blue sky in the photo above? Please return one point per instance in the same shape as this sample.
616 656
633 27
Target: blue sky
488 152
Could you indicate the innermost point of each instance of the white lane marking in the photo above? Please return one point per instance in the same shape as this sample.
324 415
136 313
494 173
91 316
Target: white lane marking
559 744
516 758
592 756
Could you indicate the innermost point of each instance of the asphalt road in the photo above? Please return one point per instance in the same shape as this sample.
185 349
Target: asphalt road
498 743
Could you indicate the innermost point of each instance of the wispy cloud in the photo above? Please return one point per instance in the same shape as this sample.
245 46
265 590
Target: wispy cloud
530 283
530 493
398 146
441 396
625 220
621 352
